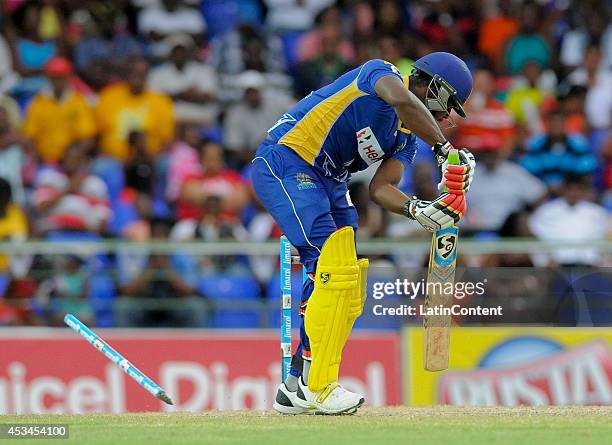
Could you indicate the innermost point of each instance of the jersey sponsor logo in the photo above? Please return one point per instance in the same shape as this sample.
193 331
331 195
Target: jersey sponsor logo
368 146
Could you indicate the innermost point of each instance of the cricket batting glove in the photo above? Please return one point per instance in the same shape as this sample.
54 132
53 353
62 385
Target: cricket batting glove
456 178
441 213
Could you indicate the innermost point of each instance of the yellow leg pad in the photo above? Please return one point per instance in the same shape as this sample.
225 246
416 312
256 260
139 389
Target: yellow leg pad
336 283
356 305
363 264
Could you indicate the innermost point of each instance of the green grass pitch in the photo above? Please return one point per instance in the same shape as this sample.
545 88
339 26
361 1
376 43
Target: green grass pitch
372 426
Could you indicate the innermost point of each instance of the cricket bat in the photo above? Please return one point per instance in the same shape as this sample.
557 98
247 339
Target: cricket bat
442 264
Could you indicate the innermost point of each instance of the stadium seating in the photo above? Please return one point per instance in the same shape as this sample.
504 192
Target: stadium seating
236 299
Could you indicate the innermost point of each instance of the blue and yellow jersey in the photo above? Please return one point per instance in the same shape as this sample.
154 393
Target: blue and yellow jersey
344 127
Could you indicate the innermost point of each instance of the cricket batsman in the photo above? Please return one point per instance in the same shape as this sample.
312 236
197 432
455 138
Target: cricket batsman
300 173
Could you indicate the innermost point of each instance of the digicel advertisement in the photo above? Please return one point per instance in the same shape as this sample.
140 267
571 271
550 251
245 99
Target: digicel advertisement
514 366
55 371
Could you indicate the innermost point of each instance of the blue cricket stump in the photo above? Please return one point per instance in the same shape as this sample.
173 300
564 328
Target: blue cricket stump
285 284
116 358
286 260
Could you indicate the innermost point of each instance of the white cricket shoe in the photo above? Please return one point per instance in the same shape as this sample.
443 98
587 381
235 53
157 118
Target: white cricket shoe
333 399
285 402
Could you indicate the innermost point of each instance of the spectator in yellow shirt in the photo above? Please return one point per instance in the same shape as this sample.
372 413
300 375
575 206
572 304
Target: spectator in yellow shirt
13 222
59 117
527 96
129 107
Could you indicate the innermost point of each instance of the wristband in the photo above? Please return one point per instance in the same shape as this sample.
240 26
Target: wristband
408 208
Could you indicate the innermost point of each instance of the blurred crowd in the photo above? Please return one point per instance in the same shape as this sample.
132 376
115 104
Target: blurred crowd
137 119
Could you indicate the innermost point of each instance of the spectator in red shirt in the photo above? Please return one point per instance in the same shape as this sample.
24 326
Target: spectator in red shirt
215 180
488 123
69 198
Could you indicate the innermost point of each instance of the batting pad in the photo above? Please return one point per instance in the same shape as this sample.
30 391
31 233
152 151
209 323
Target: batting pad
356 305
335 290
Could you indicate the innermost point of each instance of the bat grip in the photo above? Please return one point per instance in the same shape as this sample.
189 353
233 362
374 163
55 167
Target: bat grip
453 159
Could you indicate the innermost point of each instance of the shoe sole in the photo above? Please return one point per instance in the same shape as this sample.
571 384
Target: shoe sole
348 411
290 410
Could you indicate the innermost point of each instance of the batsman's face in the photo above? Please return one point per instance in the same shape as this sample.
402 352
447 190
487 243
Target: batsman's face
441 116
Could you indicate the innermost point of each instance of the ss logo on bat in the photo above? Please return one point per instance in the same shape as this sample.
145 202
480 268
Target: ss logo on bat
445 245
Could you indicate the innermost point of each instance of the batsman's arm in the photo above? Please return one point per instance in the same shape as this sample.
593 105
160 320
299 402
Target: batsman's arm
383 187
411 111
445 211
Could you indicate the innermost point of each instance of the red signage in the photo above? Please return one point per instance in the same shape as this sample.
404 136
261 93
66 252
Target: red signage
55 371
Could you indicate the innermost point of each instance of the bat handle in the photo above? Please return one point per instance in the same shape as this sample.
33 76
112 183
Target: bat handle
453 159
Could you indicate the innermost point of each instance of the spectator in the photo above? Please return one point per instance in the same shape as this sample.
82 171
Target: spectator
8 77
487 123
11 108
69 290
389 20
515 226
571 104
59 117
130 106
140 198
171 17
14 306
193 86
262 227
527 96
215 180
595 76
30 50
140 174
248 49
555 154
12 157
246 122
69 198
606 159
104 46
447 25
495 31
215 225
572 217
155 292
311 43
527 45
515 188
391 50
363 21
183 160
321 70
284 15
13 224
587 22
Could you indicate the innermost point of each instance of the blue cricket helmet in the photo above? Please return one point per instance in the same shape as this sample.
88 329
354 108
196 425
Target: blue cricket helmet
451 81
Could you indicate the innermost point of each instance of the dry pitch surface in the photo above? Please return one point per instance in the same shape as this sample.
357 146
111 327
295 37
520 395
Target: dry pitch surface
372 426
